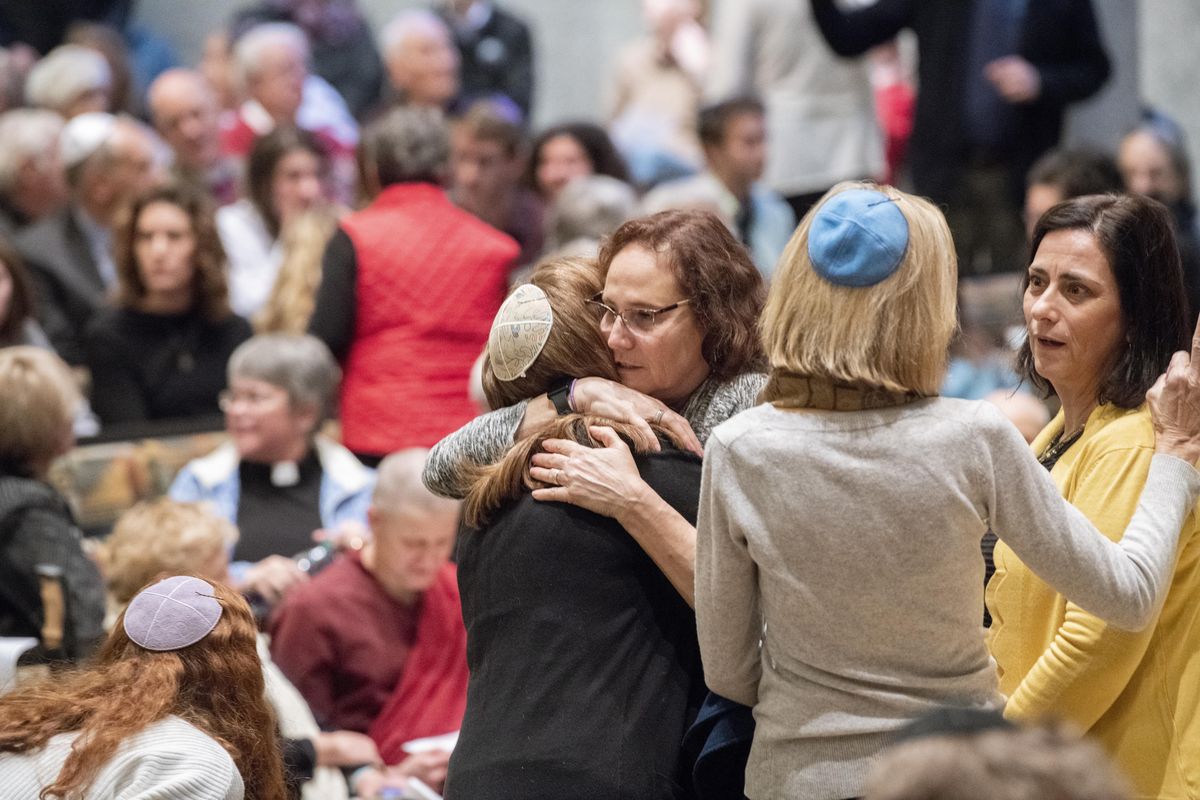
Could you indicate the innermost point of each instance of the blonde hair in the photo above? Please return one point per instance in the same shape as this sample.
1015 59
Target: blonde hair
893 335
294 295
161 536
39 403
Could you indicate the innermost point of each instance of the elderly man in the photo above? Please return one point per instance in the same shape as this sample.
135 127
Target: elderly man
184 110
488 156
277 478
734 137
71 80
375 643
408 290
32 184
421 62
108 160
271 68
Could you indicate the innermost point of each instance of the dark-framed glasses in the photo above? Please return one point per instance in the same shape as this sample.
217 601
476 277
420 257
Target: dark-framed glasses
637 320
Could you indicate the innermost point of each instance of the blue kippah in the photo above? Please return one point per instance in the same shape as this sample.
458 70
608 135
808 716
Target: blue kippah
857 238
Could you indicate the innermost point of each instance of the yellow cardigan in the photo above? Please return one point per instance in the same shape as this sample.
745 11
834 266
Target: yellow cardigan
1138 694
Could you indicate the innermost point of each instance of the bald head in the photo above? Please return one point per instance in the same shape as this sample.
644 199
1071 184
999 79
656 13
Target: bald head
412 529
184 110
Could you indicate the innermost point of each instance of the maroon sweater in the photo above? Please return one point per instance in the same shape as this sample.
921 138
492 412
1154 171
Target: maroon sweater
343 642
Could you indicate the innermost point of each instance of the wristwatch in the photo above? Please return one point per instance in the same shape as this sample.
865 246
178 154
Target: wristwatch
561 397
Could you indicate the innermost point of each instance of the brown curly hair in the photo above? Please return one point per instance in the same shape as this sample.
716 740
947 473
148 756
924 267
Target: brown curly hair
215 684
716 275
211 287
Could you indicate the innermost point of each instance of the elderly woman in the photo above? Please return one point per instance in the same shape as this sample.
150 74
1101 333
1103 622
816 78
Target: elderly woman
173 706
838 577
678 311
1104 309
41 557
161 352
568 594
277 478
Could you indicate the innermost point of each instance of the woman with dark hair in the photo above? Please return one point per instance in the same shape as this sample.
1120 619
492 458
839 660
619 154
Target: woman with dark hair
173 706
1104 310
572 150
161 352
679 313
567 595
286 176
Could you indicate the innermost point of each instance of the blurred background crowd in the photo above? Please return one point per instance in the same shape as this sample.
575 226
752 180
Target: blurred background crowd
268 240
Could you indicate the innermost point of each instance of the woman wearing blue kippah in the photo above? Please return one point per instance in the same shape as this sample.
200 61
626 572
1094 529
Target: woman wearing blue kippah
838 575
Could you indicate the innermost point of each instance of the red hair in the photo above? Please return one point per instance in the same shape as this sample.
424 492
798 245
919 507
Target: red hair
216 685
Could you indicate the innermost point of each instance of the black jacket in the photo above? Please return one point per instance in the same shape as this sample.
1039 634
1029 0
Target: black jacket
496 58
36 528
69 285
1059 38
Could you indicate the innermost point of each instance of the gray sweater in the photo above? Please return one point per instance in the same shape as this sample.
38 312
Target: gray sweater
848 543
485 439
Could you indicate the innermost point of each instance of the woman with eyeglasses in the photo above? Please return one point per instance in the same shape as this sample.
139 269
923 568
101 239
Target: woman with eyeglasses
678 311
555 591
277 478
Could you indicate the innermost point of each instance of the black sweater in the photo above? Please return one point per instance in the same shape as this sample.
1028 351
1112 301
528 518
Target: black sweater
585 672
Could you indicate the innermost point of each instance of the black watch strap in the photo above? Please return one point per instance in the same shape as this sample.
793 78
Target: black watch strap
561 397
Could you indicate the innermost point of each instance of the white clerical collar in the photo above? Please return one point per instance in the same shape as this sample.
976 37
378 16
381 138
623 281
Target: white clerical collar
285 473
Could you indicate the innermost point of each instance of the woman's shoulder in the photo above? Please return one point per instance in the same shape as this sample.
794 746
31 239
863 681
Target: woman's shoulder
1110 429
173 752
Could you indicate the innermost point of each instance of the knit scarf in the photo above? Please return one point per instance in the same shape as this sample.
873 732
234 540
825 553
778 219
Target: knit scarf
431 695
787 389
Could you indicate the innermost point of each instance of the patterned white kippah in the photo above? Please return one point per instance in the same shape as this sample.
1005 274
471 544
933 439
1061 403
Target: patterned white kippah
519 332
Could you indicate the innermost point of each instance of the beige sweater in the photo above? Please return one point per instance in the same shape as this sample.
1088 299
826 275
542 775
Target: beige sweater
848 542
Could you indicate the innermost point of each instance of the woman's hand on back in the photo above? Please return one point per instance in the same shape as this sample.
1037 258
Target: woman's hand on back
605 398
1175 405
604 480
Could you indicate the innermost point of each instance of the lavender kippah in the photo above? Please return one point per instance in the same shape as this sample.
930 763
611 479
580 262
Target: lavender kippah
172 614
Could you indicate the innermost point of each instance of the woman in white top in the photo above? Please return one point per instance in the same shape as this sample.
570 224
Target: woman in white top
286 176
172 708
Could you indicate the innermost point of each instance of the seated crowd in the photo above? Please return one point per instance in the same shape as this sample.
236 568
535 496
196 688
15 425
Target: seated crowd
635 459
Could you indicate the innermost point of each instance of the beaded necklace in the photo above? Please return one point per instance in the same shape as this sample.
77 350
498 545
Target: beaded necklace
1058 445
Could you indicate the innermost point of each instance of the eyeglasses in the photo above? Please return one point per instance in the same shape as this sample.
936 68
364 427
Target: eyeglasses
227 399
637 320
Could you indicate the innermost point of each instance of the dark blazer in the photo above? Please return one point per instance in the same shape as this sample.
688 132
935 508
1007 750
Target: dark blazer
1059 37
497 58
69 285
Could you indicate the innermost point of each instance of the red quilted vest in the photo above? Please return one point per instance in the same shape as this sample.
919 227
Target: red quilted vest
430 279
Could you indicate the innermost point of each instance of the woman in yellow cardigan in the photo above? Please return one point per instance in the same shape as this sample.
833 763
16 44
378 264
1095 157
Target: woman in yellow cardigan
1104 310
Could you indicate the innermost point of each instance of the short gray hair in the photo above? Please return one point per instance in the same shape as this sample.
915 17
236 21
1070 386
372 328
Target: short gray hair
404 25
589 208
398 485
66 72
27 133
249 50
405 145
299 364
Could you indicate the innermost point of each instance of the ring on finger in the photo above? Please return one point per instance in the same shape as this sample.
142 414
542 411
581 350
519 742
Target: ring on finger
558 477
658 417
